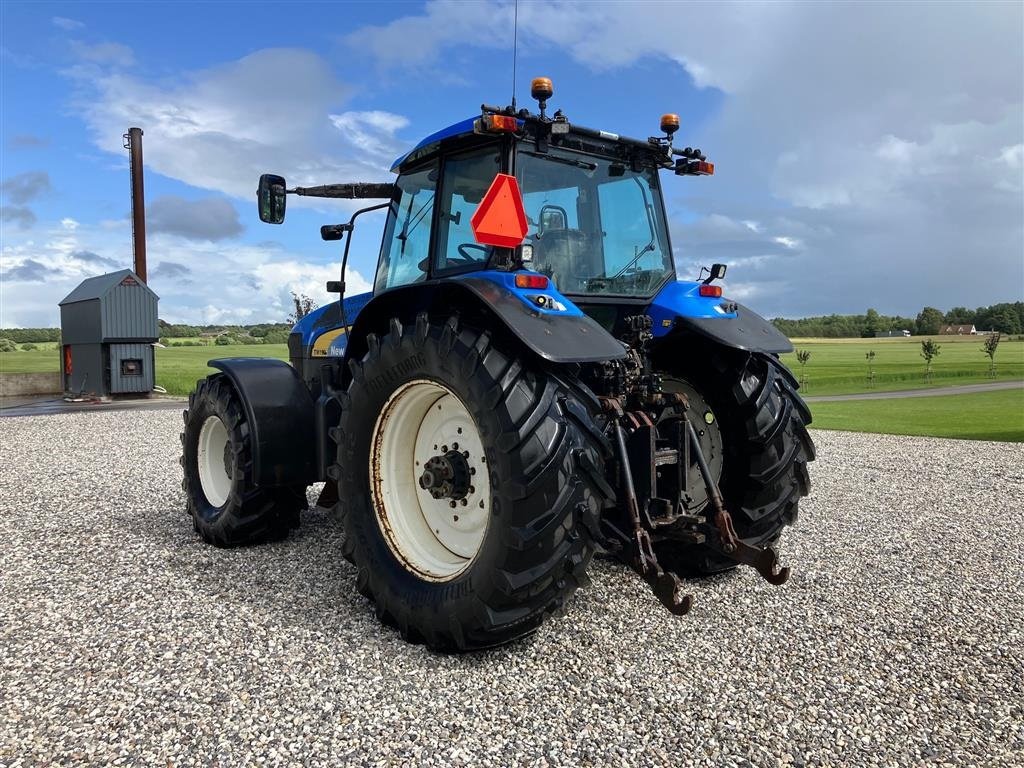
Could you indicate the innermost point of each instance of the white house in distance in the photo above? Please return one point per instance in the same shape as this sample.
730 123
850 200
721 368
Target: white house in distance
958 330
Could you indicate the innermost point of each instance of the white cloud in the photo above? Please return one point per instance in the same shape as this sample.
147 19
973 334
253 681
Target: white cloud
198 282
372 132
104 53
788 242
220 128
69 224
68 25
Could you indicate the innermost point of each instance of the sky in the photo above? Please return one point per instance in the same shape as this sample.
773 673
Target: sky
867 154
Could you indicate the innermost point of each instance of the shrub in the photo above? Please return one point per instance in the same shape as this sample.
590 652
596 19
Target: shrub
29 347
223 341
6 345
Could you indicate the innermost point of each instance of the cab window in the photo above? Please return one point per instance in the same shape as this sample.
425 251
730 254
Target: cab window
466 179
405 250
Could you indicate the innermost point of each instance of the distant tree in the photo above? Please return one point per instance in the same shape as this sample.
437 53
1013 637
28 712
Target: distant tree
224 340
929 351
6 345
991 344
870 356
29 347
276 336
961 316
929 321
872 323
1006 321
303 306
802 356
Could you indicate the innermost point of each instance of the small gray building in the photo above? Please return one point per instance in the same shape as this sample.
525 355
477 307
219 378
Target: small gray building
108 326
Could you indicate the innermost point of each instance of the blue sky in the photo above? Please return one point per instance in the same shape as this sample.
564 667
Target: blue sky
867 154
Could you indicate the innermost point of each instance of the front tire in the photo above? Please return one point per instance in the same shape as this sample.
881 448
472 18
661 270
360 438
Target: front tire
488 571
764 450
227 509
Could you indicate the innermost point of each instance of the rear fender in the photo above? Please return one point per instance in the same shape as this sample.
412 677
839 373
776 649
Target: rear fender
563 335
678 310
279 410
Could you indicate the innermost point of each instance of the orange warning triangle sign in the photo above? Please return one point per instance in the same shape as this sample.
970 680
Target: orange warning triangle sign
500 219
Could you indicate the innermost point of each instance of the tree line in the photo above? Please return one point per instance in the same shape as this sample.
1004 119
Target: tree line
1006 318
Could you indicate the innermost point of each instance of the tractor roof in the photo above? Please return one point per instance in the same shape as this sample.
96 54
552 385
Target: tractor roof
456 129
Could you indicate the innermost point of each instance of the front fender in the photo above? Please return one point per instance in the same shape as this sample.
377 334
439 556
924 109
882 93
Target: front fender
279 410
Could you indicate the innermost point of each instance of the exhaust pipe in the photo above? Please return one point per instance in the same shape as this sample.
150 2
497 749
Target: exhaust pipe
133 143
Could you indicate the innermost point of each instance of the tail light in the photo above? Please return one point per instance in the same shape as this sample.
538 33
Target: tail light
527 280
711 291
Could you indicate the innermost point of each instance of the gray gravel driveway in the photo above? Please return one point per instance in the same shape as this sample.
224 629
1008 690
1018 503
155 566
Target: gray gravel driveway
125 640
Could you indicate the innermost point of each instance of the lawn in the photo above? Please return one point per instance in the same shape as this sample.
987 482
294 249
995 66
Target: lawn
838 366
978 416
177 368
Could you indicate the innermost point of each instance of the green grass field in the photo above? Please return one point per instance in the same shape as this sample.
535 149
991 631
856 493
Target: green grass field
836 366
177 368
977 416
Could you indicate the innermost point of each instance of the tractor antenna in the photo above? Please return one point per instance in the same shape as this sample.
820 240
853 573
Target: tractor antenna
515 51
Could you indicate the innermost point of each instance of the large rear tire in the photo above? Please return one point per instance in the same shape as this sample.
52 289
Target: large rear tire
470 478
765 449
227 510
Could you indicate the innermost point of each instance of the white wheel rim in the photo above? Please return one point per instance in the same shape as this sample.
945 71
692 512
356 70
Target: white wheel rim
421 420
213 474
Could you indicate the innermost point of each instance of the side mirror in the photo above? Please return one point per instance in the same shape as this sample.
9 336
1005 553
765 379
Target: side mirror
270 198
717 272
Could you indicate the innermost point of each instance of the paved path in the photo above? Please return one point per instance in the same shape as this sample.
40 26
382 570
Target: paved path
963 389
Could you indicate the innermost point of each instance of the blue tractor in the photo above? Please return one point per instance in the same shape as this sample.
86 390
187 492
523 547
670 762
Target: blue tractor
527 384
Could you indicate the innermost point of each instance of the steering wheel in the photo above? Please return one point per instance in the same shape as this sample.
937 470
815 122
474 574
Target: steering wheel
464 249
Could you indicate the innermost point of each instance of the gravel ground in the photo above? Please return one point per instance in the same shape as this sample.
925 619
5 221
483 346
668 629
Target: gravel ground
125 640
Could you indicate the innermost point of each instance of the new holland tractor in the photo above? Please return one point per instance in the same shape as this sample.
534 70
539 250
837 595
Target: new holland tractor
527 384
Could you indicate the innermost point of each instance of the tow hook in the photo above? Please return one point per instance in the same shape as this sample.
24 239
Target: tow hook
765 560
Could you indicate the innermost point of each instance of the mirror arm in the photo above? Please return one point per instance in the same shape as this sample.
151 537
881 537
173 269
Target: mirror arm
344 259
347 191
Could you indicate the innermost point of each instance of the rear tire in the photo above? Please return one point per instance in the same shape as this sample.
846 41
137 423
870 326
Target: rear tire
530 439
765 451
227 509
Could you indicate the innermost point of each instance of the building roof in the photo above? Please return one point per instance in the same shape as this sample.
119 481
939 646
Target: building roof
98 287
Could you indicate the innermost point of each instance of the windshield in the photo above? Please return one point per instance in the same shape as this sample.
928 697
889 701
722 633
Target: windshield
596 226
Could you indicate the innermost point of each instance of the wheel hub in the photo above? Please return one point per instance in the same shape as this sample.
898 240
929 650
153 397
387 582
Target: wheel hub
447 477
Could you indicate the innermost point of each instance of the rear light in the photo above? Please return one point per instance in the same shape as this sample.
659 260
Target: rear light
694 168
500 123
711 291
536 282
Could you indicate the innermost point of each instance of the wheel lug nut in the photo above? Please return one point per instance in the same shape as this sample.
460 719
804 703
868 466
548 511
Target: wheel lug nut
481 503
455 446
464 502
452 504
444 449
472 489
